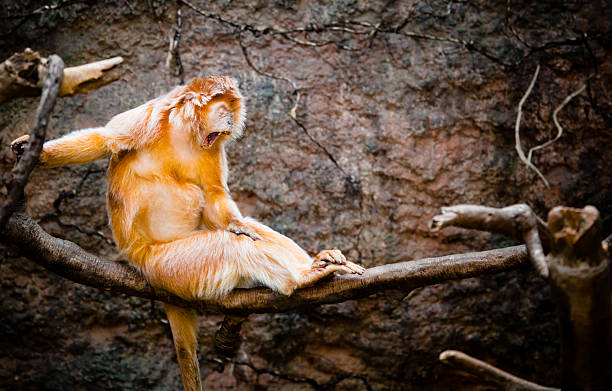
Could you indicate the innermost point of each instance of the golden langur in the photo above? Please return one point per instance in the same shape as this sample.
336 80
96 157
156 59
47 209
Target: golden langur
170 209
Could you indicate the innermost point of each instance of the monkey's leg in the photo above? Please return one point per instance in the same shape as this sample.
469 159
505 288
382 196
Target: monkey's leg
184 325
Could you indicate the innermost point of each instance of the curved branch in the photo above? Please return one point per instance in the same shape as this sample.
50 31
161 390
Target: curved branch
69 260
488 373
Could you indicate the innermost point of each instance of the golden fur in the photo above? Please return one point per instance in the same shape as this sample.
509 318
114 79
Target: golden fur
170 208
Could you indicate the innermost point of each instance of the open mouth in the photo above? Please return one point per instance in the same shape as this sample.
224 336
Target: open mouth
212 137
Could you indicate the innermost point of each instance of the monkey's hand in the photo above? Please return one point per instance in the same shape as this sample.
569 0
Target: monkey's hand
335 257
240 228
19 145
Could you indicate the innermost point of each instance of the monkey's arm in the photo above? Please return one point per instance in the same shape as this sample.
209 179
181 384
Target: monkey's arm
221 212
79 147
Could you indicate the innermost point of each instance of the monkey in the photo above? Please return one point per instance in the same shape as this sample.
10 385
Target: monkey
170 209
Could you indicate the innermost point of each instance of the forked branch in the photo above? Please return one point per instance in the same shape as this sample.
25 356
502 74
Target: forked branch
516 221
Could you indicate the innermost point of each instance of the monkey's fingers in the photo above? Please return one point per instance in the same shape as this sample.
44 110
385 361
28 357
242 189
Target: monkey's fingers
19 145
239 231
331 256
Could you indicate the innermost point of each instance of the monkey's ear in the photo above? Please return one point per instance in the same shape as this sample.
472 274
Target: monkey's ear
220 117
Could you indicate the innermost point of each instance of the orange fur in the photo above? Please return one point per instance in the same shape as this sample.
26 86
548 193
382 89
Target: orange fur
170 208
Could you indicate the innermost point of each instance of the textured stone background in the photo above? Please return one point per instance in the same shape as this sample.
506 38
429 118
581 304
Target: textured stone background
390 133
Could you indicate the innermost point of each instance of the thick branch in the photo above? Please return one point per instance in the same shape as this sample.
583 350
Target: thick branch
516 221
580 283
488 373
69 260
23 168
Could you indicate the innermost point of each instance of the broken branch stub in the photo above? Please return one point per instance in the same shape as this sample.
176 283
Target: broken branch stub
23 73
580 282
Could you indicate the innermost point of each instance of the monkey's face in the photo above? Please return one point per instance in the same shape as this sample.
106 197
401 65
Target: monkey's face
220 122
211 109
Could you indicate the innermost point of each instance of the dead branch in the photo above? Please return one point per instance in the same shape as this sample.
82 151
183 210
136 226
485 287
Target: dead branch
487 373
70 261
516 221
579 267
23 74
580 282
23 168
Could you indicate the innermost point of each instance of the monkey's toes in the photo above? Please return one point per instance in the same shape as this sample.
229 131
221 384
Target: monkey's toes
326 258
331 256
355 268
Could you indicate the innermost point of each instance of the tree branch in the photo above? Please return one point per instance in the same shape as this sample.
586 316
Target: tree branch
580 283
70 261
579 268
516 221
487 373
23 168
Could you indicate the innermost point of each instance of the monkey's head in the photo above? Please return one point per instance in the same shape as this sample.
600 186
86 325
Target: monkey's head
211 107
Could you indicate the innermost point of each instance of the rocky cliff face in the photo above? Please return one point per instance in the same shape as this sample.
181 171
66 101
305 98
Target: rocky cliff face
390 126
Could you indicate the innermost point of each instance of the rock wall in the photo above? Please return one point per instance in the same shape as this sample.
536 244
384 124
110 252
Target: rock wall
390 127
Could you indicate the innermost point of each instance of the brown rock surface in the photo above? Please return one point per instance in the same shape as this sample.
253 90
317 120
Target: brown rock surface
389 133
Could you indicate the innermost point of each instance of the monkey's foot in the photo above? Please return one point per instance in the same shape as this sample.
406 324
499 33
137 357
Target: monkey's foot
326 258
19 144
239 228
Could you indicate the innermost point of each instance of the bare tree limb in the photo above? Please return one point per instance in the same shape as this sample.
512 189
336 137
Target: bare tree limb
516 221
580 282
88 77
488 373
23 74
23 168
70 261
579 268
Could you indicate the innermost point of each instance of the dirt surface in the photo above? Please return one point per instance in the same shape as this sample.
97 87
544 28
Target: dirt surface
389 128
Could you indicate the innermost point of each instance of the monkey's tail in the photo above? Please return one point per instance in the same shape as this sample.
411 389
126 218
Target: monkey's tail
184 325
